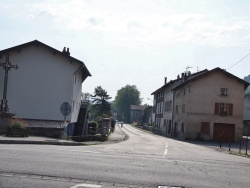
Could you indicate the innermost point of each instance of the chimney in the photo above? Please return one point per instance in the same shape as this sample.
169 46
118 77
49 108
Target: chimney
182 75
185 76
165 80
68 53
178 76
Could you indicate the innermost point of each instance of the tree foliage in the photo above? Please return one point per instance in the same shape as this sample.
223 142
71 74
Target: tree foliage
146 114
100 104
126 96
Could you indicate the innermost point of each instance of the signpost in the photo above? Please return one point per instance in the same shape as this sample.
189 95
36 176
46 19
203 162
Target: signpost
65 109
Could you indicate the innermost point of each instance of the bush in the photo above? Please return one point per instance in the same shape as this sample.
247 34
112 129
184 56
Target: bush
18 124
18 128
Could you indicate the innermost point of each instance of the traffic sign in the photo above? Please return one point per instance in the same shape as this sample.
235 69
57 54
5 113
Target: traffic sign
65 109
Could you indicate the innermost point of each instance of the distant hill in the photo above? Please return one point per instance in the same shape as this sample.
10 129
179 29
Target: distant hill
247 78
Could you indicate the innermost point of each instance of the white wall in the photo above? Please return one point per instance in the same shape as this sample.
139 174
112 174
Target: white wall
41 84
77 89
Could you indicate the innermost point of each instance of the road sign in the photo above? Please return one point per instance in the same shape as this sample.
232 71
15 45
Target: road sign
65 109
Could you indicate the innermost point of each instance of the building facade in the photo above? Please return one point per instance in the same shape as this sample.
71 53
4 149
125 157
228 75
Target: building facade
136 112
205 105
209 106
46 78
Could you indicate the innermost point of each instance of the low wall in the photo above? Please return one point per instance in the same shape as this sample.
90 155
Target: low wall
48 132
148 128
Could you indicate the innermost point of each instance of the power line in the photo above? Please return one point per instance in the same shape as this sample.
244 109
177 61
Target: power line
238 61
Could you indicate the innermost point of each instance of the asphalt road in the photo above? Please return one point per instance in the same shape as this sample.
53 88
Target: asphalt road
144 160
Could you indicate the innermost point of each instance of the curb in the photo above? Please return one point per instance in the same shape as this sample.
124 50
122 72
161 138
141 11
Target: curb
41 142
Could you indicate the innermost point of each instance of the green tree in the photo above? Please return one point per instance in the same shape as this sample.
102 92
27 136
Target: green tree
100 105
126 96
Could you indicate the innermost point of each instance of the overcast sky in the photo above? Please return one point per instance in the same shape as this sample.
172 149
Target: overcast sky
136 42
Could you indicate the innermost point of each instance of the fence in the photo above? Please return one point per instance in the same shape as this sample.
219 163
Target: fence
243 144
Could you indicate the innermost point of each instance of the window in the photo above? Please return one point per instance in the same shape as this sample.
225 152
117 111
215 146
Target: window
183 108
184 91
169 126
182 127
176 109
168 106
177 94
223 91
223 109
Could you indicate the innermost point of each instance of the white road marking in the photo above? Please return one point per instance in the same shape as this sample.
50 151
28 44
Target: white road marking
86 186
165 151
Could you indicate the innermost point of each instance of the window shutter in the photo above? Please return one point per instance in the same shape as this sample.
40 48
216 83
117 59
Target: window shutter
230 109
216 108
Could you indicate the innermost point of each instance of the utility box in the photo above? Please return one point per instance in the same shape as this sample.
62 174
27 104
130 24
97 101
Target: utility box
105 125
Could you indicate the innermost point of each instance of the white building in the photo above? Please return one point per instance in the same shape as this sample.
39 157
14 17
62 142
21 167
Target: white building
45 79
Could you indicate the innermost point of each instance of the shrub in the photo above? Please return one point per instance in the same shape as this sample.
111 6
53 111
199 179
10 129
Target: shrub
18 128
19 124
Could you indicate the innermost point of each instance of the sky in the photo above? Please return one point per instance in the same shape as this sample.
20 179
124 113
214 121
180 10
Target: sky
135 42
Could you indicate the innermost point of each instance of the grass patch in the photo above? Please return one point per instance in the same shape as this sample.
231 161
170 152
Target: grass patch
239 154
133 124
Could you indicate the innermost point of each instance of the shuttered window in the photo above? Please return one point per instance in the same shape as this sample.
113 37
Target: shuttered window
223 109
230 109
217 110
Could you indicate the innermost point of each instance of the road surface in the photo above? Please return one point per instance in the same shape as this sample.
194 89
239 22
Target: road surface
144 160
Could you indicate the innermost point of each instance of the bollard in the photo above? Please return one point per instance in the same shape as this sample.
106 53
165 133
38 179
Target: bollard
229 149
220 140
246 145
240 146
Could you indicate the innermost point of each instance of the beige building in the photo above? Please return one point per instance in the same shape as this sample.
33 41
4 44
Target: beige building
209 106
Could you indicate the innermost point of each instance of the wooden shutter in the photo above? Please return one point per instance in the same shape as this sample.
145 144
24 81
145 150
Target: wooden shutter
204 128
217 108
230 109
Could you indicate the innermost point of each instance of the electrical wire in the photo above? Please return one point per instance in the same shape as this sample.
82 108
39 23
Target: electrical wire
238 61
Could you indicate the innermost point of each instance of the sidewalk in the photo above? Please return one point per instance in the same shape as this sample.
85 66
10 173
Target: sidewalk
116 136
234 147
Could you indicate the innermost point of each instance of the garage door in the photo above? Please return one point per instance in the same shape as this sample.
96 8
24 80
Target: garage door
224 130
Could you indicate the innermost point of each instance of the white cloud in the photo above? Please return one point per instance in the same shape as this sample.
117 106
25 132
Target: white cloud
138 25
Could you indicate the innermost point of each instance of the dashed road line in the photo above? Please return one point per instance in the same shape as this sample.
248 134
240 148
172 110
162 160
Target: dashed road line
165 151
83 185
